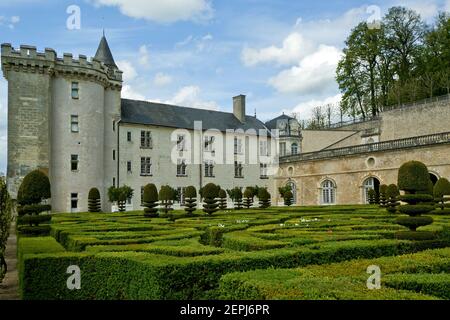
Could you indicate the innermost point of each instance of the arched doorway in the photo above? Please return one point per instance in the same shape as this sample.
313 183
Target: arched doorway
434 178
370 183
293 187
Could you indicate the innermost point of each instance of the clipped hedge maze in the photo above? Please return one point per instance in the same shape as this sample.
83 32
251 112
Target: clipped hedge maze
129 256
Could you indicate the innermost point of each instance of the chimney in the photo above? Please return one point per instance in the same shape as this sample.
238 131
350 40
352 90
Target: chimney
239 107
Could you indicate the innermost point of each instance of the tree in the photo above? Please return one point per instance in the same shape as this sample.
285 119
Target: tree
371 194
94 204
383 196
288 198
210 194
236 195
264 198
166 197
150 200
392 194
120 195
222 199
413 179
441 193
6 206
34 189
287 195
190 198
248 197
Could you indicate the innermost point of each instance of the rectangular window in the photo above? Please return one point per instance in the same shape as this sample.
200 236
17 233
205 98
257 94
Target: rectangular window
237 145
282 148
114 182
74 200
209 142
142 196
181 167
74 162
114 154
129 136
75 90
238 169
114 125
129 166
180 195
146 166
181 142
263 170
209 168
263 150
146 139
74 123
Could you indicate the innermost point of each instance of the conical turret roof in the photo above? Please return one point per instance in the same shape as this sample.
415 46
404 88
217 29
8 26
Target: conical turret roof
104 53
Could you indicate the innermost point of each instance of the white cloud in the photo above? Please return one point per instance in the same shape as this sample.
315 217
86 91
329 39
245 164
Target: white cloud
129 72
427 9
129 93
314 74
303 109
144 57
294 47
189 96
165 11
9 22
162 79
447 6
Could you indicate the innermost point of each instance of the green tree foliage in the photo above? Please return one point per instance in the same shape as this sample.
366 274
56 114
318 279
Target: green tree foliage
441 193
236 195
414 179
120 195
94 204
210 194
6 206
287 195
166 197
371 195
222 199
34 188
190 199
288 198
150 200
264 198
248 197
383 196
392 195
402 61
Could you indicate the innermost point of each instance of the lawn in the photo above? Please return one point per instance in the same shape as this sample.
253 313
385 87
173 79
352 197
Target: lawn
277 253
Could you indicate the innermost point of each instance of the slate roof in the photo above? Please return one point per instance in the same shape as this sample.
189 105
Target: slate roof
104 53
159 114
272 124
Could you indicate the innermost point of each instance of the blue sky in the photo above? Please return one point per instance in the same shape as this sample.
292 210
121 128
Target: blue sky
200 53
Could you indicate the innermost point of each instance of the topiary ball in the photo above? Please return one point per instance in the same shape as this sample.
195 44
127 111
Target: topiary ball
413 176
190 192
150 193
210 191
34 188
94 194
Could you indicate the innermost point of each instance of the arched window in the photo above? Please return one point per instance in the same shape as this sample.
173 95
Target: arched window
370 183
294 148
328 194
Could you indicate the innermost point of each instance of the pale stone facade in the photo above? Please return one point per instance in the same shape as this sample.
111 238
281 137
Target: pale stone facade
340 167
66 118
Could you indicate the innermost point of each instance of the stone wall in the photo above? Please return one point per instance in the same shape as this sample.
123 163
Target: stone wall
350 172
416 120
29 107
315 140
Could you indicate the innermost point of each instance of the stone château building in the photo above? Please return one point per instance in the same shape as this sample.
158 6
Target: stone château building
67 118
339 165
